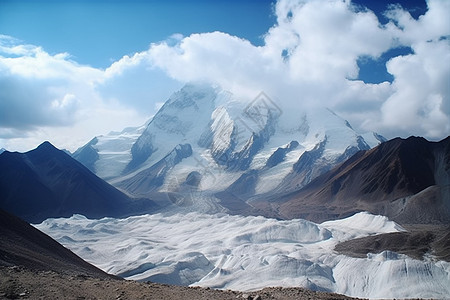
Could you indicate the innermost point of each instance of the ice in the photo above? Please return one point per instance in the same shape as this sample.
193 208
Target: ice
390 275
248 253
361 224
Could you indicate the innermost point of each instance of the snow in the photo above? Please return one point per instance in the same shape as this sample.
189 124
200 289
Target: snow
114 151
372 139
390 275
198 109
248 253
362 224
271 178
222 128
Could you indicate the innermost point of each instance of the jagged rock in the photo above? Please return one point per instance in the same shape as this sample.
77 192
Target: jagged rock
279 155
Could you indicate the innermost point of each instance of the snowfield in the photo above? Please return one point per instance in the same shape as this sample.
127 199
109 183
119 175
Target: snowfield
249 253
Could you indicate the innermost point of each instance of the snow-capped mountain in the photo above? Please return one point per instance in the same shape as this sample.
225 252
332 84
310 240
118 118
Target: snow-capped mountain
207 133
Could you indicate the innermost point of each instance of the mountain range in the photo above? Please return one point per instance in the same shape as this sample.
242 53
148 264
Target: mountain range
225 171
407 180
207 151
47 182
211 151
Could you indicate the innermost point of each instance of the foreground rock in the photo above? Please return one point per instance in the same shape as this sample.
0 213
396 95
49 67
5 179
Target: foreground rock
18 282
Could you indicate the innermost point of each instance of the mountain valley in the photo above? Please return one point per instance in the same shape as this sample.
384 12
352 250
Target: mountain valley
225 193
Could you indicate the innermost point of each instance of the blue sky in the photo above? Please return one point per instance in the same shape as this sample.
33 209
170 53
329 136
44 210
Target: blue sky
82 68
100 32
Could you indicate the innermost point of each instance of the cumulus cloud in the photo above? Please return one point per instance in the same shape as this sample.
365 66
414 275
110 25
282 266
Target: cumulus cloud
420 103
51 97
309 58
35 86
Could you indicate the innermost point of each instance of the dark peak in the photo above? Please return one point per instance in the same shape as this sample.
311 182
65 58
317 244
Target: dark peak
416 139
46 151
399 143
45 146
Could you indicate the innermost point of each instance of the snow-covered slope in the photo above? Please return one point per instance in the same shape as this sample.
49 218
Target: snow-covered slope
247 253
108 155
229 138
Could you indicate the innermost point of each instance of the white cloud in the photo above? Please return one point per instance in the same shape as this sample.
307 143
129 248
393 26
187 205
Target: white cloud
420 103
309 58
50 97
228 60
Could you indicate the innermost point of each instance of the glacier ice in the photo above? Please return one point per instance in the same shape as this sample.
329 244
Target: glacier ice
248 253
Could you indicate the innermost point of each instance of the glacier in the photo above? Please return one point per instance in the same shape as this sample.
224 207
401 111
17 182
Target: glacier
248 253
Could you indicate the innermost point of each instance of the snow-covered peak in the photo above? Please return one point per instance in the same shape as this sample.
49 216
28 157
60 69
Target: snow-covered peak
229 136
184 110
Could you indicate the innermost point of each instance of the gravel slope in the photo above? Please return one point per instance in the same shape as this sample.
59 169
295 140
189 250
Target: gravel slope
18 282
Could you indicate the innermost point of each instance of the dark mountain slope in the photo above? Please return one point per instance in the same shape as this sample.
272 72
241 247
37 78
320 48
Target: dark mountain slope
23 245
47 182
407 180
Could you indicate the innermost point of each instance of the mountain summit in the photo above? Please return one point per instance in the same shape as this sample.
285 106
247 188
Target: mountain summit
207 133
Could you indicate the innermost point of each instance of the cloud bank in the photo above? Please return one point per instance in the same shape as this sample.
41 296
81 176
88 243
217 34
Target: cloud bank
309 58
